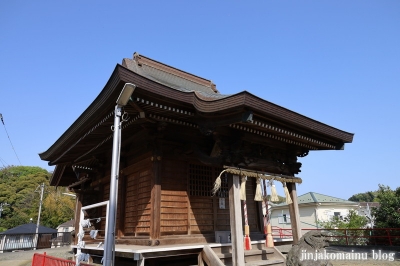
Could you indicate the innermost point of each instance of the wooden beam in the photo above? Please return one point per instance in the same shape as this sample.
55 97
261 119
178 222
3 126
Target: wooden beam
209 256
294 213
235 211
200 261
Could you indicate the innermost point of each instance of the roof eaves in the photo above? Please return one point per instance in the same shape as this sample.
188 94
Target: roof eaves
93 108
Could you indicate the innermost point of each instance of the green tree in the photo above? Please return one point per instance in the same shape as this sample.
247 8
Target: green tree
57 208
368 196
19 189
388 214
351 221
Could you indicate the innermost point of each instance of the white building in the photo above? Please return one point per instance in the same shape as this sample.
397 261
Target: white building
313 207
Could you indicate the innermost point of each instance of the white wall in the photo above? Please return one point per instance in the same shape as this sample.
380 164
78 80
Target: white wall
309 215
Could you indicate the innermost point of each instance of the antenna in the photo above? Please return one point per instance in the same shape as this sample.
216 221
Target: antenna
2 120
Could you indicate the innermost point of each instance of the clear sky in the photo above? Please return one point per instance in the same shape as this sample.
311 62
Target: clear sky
335 61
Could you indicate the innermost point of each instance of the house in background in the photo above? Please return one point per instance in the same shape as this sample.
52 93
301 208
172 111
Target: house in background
64 236
313 207
23 237
66 227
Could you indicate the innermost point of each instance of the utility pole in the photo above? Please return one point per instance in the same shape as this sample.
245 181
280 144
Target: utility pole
40 210
1 207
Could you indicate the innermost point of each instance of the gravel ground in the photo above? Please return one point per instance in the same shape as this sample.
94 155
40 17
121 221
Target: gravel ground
24 258
384 256
369 250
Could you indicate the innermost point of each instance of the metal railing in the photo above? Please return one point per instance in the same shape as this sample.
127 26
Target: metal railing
281 232
375 237
13 242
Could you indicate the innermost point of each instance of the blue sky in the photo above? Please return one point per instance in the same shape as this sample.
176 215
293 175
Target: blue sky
337 62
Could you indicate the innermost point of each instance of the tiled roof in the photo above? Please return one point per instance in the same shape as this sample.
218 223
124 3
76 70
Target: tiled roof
313 197
70 223
29 229
171 77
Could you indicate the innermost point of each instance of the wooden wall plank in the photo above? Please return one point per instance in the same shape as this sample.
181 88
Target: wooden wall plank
138 198
174 199
156 198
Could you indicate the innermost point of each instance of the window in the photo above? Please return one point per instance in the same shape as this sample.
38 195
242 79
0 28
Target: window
284 219
201 181
337 214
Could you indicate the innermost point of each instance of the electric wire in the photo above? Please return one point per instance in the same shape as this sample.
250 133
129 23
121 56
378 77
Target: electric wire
2 162
1 117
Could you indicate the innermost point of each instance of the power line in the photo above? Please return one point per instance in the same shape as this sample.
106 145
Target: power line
1 117
2 162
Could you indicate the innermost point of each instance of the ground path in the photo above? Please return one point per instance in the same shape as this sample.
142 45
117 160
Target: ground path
24 258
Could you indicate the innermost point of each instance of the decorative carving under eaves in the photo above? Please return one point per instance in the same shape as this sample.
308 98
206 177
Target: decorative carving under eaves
239 153
304 154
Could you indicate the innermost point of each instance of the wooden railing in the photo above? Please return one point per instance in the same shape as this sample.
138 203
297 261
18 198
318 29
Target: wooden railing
376 236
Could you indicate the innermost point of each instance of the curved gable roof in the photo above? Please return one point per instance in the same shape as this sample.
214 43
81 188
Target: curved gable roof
201 102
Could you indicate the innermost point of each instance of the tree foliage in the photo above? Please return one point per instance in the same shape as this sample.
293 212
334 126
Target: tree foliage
388 214
17 188
351 221
368 196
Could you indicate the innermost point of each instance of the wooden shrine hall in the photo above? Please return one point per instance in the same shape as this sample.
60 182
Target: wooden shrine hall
178 134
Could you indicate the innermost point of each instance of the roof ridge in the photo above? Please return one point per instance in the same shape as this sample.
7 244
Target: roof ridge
329 196
141 59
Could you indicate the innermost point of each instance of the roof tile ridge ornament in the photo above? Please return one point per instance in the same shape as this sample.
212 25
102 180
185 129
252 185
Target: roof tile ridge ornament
143 60
204 96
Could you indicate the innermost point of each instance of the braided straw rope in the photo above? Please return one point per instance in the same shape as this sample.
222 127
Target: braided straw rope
265 177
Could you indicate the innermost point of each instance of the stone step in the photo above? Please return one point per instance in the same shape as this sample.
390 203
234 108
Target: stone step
252 251
266 256
247 253
263 262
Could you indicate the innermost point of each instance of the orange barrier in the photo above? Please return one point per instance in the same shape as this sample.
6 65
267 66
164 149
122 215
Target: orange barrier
45 260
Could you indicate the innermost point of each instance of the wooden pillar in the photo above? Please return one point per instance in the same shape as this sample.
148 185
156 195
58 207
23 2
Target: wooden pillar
236 221
155 223
294 213
78 207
